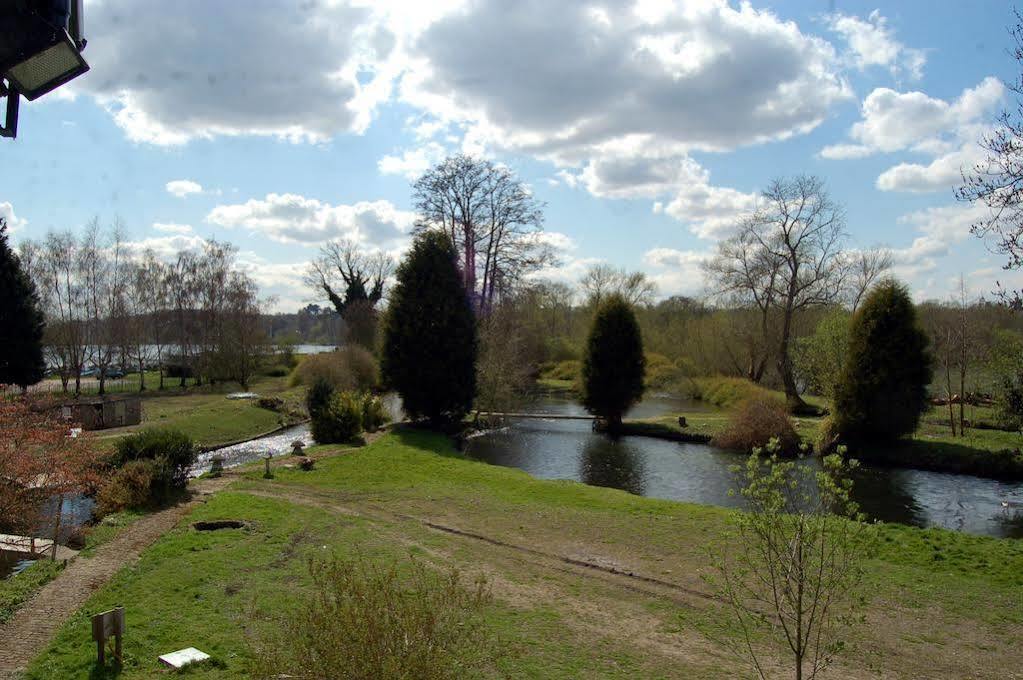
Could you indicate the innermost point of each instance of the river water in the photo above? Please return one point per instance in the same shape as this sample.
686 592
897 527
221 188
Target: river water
698 473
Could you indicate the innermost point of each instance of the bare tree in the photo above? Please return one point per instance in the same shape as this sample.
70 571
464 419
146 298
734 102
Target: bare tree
746 276
866 267
787 254
602 280
492 218
57 272
997 181
363 276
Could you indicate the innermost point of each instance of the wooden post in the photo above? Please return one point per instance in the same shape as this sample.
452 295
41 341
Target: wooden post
104 625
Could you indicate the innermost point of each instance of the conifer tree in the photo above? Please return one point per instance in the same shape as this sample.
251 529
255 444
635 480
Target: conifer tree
614 363
21 321
430 341
882 390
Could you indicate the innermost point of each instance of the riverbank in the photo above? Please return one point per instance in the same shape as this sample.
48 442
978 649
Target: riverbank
587 582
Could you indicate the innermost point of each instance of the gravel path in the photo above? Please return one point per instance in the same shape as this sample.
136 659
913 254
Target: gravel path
34 625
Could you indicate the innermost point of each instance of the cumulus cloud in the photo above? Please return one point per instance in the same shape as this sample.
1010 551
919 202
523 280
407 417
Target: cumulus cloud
894 121
946 131
7 214
677 272
412 163
700 75
872 43
172 228
183 187
291 218
166 247
941 174
171 72
938 230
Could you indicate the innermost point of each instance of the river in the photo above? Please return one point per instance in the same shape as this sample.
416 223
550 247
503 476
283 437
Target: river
698 473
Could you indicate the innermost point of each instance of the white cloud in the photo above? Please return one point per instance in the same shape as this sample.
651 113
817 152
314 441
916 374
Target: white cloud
171 72
172 228
941 174
873 43
939 229
292 218
412 163
166 247
677 272
946 131
894 121
702 76
13 222
183 187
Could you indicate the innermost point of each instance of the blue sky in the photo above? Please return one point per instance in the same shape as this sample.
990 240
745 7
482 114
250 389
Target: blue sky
646 127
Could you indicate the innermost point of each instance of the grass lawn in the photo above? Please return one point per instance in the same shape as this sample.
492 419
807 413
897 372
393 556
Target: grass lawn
941 604
209 417
16 590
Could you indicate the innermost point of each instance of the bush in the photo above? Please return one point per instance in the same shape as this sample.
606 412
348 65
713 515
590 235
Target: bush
570 369
373 414
276 371
730 392
172 452
430 334
270 403
351 368
882 390
340 421
365 622
755 423
130 488
612 372
661 371
318 396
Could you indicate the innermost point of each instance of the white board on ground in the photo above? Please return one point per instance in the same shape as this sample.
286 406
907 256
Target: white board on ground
183 657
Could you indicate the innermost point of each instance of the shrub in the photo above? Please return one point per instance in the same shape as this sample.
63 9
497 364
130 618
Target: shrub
661 371
276 371
172 452
270 403
559 349
882 390
373 414
430 335
730 392
365 622
351 368
570 369
130 487
612 372
340 421
318 396
755 423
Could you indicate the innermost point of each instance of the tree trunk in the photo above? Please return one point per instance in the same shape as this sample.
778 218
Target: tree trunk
792 398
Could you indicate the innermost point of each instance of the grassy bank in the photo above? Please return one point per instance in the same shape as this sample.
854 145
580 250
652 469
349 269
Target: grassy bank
209 417
941 604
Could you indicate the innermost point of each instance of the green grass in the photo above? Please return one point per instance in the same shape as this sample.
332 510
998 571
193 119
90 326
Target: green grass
220 591
209 417
18 589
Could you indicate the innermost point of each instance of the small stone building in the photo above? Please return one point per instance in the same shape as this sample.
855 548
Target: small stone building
99 413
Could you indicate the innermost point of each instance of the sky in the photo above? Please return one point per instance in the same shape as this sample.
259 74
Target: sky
646 127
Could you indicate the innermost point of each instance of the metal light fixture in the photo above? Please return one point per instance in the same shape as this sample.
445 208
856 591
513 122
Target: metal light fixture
40 50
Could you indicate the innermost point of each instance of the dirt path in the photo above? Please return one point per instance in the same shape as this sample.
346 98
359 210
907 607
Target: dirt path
33 626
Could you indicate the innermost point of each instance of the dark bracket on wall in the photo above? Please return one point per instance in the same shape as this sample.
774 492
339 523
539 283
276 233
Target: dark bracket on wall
10 126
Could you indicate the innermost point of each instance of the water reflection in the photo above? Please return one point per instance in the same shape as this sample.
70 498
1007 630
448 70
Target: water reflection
613 463
568 449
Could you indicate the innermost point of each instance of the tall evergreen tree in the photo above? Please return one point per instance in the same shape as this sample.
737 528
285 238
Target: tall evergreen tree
430 342
21 321
882 390
614 363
